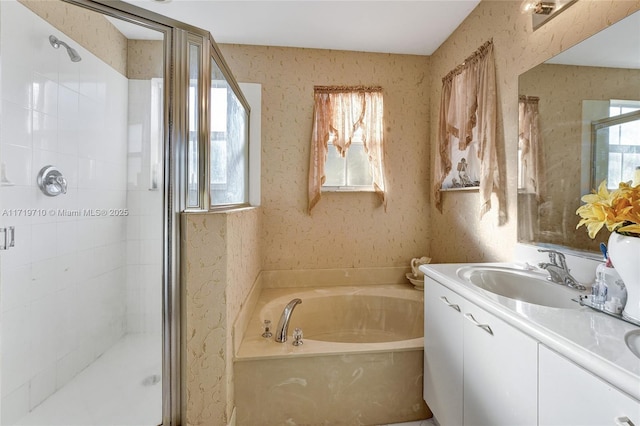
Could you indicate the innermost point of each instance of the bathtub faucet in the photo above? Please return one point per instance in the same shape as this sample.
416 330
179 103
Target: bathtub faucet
283 324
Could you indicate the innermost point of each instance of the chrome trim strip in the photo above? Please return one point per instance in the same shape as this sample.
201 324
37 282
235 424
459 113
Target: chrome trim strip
178 124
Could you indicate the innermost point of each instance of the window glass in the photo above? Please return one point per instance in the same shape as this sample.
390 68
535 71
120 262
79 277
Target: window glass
193 193
229 155
354 170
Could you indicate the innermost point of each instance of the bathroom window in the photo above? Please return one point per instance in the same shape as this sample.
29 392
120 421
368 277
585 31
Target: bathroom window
228 144
347 141
351 172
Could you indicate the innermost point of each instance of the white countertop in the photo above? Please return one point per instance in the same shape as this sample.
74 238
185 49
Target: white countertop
591 339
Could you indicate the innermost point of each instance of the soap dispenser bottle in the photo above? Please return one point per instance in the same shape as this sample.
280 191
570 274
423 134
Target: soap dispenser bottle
616 290
599 289
608 287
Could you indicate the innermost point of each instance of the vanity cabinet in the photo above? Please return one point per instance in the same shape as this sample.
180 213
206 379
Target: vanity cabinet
478 369
572 396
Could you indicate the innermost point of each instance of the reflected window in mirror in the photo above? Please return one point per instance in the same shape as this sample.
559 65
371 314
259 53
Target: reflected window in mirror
616 144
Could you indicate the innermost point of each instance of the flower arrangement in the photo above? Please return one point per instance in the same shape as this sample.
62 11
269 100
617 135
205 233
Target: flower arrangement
618 210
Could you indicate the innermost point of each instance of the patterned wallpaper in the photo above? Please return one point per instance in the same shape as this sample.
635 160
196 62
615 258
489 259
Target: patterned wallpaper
221 255
345 229
458 235
145 59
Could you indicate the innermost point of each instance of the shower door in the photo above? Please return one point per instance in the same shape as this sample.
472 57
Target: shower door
83 218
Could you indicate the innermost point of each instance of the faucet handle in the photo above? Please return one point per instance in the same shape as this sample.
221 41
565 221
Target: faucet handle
267 329
297 337
552 256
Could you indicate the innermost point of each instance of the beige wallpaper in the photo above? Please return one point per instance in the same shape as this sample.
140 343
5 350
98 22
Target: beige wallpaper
458 235
221 255
145 59
345 229
561 90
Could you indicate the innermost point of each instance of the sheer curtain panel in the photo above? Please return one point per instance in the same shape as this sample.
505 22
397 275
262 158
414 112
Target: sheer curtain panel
339 113
468 110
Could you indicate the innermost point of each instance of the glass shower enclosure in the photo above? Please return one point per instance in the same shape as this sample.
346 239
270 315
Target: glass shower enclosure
97 138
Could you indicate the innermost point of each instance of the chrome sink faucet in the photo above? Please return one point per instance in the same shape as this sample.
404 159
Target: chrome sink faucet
558 271
283 324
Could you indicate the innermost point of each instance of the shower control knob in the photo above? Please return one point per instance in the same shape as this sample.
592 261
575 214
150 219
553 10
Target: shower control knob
51 182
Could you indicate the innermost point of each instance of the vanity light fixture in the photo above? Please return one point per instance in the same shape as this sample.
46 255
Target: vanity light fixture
538 7
542 11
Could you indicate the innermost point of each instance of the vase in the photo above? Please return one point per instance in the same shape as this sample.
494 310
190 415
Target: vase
624 252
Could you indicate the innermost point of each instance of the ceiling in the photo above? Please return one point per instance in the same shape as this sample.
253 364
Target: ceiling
416 27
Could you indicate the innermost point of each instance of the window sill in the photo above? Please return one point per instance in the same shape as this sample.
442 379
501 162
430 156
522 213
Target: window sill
465 189
222 209
347 189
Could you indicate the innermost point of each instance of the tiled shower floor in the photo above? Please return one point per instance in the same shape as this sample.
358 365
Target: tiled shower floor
121 388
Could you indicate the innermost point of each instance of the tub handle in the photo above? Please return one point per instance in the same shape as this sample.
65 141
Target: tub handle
449 304
485 327
623 421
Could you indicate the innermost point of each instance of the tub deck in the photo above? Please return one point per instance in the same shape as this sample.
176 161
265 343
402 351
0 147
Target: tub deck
254 346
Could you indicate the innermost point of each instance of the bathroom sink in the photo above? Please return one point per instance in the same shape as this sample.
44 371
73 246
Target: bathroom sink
632 339
517 284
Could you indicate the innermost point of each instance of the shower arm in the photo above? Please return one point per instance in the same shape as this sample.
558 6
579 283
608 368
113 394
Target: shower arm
56 43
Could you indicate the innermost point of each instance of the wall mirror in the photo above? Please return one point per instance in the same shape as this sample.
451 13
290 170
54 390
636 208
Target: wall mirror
579 125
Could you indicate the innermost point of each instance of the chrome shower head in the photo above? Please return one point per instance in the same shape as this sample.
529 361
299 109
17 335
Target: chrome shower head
73 54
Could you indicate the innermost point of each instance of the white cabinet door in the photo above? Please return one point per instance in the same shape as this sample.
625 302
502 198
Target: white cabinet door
500 372
443 353
572 396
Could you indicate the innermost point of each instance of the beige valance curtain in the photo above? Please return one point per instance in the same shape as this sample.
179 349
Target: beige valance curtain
339 112
530 174
468 110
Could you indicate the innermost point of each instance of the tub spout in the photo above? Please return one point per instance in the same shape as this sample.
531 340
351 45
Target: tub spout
283 324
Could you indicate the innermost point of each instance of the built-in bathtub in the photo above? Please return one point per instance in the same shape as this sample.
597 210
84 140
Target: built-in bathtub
361 361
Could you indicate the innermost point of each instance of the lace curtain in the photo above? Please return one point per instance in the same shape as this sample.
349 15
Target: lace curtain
339 112
467 110
530 165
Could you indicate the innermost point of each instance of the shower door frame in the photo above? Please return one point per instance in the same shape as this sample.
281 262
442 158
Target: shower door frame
176 131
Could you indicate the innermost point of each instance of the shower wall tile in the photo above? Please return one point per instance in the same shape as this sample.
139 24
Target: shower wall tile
45 94
45 132
64 284
20 133
19 92
18 165
15 405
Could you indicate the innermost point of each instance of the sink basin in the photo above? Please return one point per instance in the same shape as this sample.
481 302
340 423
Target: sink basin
526 286
632 339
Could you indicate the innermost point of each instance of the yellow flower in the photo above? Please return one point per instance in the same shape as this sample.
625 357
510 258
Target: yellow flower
619 210
602 196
